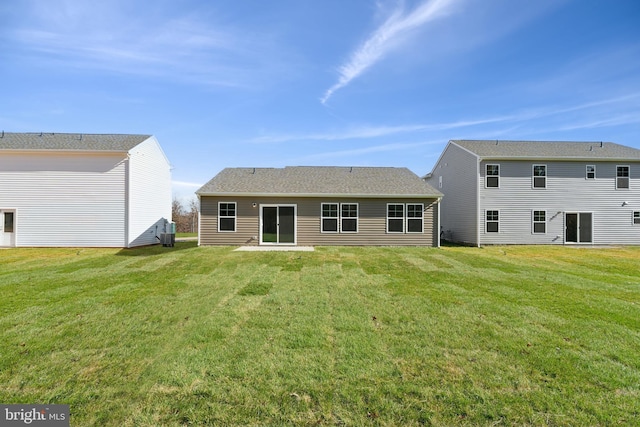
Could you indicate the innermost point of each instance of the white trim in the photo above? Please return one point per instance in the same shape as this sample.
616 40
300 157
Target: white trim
295 224
405 218
322 218
534 222
628 177
235 217
486 176
406 214
13 239
395 218
586 172
486 221
533 176
578 228
325 195
357 217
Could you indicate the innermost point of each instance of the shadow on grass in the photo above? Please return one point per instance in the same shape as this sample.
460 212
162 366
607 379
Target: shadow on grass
157 249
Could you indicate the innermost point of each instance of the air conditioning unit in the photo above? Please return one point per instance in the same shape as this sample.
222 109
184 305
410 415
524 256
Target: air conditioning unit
168 239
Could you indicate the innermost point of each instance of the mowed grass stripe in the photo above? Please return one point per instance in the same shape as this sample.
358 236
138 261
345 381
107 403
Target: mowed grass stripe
340 336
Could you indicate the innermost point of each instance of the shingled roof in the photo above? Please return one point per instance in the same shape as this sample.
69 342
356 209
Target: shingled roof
495 149
69 141
319 181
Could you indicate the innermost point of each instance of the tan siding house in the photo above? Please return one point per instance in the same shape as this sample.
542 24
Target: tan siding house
309 206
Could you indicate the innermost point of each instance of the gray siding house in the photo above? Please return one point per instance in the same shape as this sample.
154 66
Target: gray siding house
533 192
311 206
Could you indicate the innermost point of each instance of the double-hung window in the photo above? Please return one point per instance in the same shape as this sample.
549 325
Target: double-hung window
414 218
492 176
539 222
622 176
337 218
405 218
395 218
636 217
227 216
591 172
492 219
349 218
539 176
329 220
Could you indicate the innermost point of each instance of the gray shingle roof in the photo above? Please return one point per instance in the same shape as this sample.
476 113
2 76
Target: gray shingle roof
549 150
69 141
318 181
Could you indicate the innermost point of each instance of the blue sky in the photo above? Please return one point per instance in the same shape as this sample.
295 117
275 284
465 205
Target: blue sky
254 83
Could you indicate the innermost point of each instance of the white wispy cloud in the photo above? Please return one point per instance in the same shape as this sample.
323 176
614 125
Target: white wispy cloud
386 38
177 46
185 184
364 132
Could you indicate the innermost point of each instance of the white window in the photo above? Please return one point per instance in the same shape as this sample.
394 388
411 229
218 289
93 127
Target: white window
395 218
492 176
407 218
539 222
349 218
341 218
227 216
636 217
329 218
414 218
591 172
492 221
539 176
622 176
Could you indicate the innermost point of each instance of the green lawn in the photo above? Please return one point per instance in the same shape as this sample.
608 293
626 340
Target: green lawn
339 336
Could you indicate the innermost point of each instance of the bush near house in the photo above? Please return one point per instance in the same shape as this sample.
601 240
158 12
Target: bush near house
340 336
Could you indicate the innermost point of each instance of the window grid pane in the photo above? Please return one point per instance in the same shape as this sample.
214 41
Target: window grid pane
492 176
540 222
395 211
492 221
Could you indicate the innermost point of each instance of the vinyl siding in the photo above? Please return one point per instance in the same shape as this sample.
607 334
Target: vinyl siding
457 168
149 193
65 199
567 191
371 222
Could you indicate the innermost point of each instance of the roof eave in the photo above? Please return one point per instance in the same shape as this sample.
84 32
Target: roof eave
325 195
559 159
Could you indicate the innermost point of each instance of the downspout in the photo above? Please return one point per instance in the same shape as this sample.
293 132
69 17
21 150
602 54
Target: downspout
439 226
478 181
199 216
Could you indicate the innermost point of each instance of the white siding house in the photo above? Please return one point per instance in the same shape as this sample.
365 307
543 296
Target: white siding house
533 192
80 190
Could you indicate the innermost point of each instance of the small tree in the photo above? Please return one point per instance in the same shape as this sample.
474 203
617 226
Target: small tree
186 220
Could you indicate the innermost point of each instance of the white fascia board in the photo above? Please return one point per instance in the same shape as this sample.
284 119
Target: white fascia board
325 195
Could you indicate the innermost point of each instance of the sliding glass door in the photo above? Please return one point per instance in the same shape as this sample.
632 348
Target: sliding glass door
278 224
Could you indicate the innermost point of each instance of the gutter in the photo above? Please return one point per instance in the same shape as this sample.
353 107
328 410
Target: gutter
316 195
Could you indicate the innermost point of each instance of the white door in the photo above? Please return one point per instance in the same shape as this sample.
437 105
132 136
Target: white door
7 228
